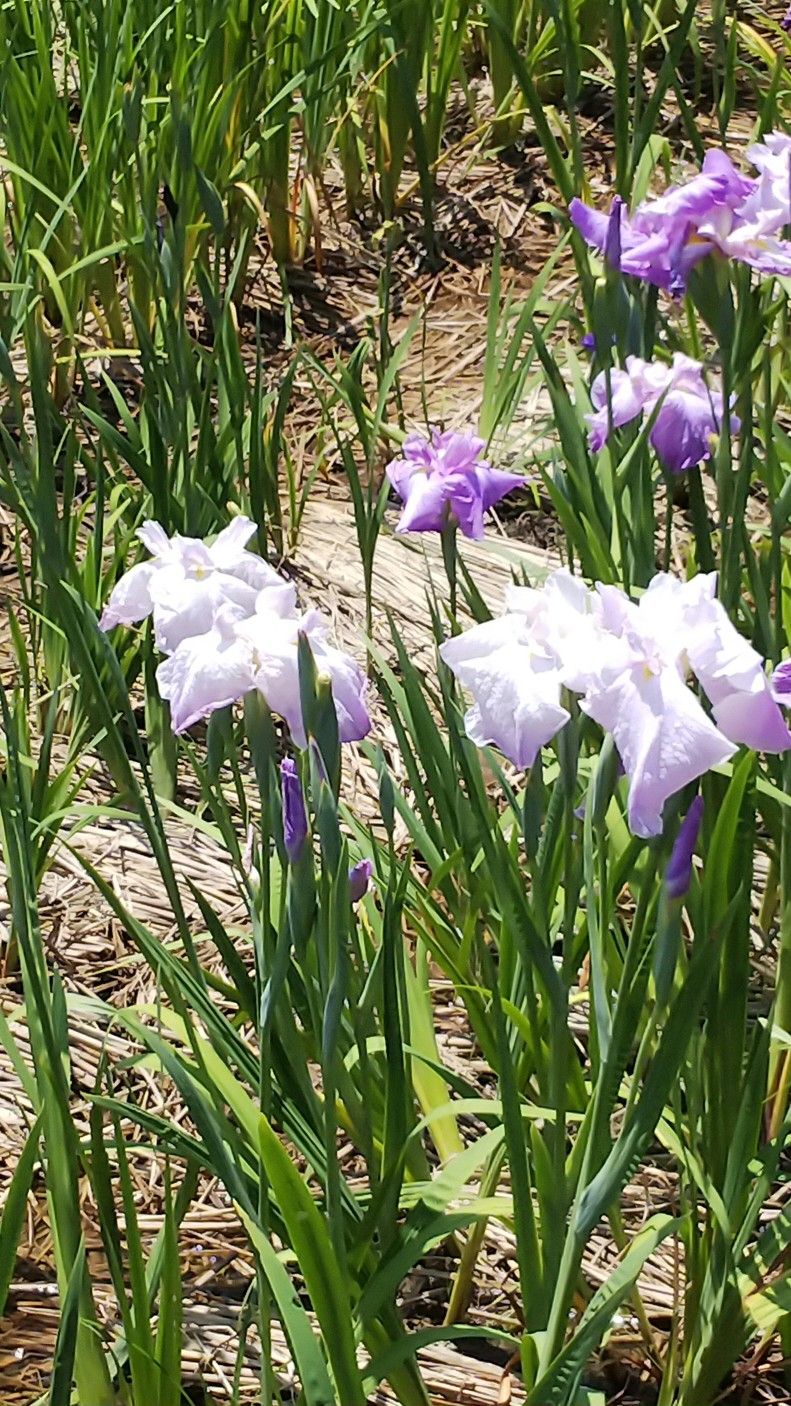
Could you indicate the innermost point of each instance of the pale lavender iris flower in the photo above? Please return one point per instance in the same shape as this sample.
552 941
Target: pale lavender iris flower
731 672
211 670
662 733
187 581
767 209
719 209
444 478
629 663
229 624
514 666
688 419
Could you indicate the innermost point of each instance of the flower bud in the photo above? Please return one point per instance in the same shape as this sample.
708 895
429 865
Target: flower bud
359 879
612 243
678 874
295 820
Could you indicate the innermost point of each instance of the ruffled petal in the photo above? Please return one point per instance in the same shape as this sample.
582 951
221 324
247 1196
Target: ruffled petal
205 673
663 737
349 688
780 683
229 545
154 538
625 403
130 600
515 690
590 223
184 606
424 507
684 430
732 675
400 472
457 450
754 720
463 495
494 484
275 643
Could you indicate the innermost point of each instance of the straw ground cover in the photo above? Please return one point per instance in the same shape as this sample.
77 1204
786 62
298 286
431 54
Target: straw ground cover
424 1068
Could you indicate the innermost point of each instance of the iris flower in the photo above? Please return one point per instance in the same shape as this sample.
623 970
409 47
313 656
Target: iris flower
209 671
689 416
444 479
186 582
718 209
767 208
781 683
230 624
629 662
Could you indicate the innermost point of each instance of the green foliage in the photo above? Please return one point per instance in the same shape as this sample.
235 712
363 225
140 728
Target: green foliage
147 152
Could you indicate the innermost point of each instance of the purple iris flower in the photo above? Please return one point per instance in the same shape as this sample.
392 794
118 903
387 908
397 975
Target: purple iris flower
719 209
359 879
689 416
679 869
295 820
445 478
781 683
785 22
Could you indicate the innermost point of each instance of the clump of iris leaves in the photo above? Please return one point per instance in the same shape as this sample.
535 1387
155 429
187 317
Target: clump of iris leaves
143 151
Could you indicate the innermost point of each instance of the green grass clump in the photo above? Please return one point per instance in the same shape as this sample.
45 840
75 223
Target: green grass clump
159 162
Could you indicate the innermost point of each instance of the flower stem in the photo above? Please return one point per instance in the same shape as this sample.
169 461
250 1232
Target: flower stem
451 562
782 1016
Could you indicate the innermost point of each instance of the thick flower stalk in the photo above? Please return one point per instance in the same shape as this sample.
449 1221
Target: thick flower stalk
690 412
444 480
718 210
630 663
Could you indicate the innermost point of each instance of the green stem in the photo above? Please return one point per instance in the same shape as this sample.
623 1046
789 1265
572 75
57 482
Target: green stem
451 562
783 983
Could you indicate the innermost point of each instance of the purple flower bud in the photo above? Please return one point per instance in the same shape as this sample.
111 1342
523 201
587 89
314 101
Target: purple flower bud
679 869
359 879
295 821
612 243
588 342
785 22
